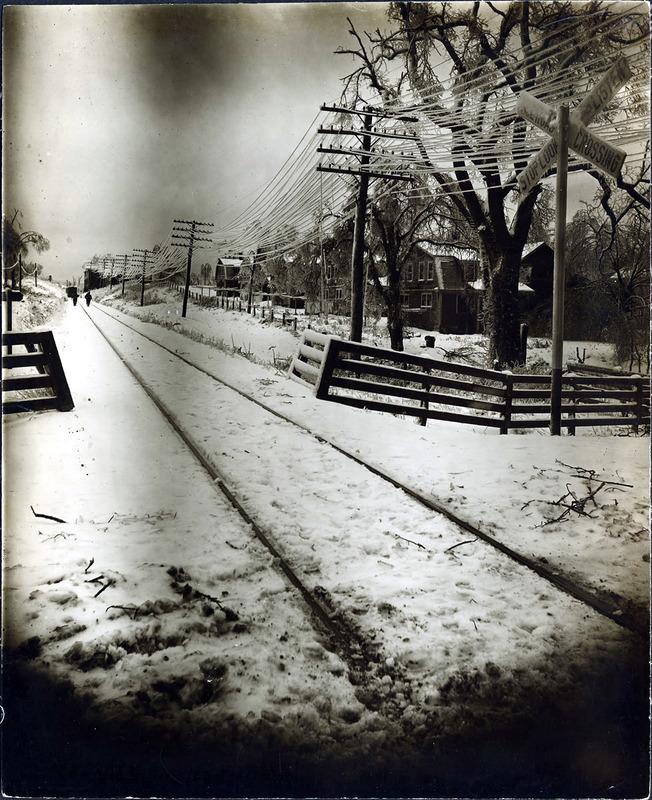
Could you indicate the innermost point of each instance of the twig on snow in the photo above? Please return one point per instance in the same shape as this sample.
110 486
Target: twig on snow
47 516
106 586
90 564
418 544
189 592
127 609
591 474
459 544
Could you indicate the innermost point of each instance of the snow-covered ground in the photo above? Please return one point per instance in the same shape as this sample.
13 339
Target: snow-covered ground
164 616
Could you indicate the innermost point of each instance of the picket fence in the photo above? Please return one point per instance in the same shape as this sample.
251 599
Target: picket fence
378 379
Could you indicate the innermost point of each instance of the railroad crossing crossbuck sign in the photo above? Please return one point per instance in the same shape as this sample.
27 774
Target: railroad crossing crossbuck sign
603 155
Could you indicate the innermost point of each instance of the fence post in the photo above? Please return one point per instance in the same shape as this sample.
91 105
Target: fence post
571 409
507 412
639 401
327 366
523 341
425 403
8 320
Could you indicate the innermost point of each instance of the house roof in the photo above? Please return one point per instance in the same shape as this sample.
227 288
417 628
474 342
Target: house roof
230 262
478 285
533 247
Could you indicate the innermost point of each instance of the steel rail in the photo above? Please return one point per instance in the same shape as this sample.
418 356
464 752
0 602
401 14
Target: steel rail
599 604
354 649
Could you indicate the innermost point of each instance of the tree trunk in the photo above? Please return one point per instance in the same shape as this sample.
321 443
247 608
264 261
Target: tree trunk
394 310
502 320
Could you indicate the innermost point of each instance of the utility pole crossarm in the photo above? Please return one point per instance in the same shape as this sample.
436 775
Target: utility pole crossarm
382 134
369 110
348 151
367 172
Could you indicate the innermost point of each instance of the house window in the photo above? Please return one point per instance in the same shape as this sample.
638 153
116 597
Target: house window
426 299
339 293
410 272
422 270
329 272
460 304
404 298
431 270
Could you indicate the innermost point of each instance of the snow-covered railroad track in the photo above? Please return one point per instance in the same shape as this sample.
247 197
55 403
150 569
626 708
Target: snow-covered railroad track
603 605
455 639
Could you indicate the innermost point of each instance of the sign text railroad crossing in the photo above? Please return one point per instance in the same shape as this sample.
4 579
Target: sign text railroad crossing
584 142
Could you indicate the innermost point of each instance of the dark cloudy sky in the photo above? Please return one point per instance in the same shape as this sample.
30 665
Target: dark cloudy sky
119 118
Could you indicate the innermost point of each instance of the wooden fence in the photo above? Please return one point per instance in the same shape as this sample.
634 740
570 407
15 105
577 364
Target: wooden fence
399 383
42 357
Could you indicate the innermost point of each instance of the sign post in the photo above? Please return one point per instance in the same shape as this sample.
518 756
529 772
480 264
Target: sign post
568 130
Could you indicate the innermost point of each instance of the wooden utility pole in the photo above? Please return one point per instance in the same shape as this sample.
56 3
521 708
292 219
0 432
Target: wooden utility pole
189 239
112 262
559 272
250 292
145 256
124 270
364 171
357 255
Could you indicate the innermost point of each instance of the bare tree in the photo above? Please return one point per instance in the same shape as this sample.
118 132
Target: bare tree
609 244
492 53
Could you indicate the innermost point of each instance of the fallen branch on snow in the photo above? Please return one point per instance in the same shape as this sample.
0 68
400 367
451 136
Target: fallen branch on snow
418 544
127 609
577 504
47 516
103 588
459 544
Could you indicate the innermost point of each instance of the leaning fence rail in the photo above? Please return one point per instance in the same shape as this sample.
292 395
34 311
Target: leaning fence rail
384 380
308 361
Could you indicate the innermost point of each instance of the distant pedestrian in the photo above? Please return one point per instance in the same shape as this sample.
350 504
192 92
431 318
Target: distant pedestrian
88 297
74 299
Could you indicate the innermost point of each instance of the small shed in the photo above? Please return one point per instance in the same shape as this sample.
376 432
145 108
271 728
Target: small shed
227 275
